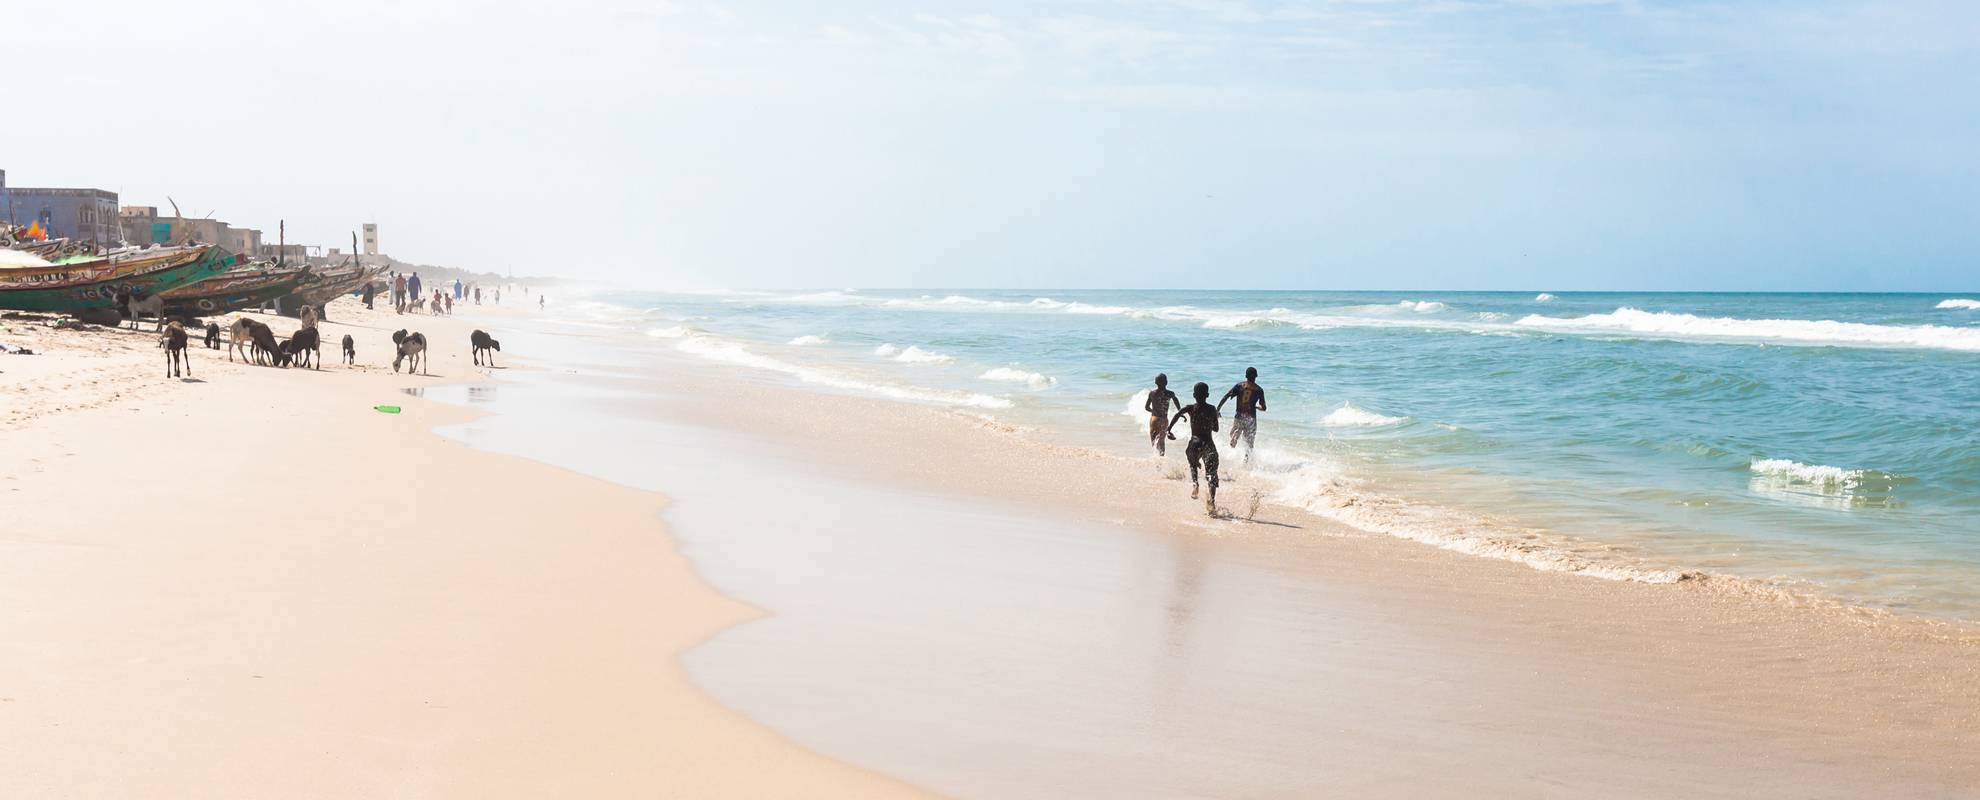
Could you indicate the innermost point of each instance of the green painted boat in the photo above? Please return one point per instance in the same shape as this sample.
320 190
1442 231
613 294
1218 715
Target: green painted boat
231 292
69 297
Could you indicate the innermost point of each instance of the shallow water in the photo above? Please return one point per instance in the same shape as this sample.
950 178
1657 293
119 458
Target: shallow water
1831 441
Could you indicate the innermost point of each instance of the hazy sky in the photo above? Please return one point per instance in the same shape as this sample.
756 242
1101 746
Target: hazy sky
1528 144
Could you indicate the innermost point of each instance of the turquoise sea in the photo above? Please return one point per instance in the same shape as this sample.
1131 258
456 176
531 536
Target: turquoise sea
1819 443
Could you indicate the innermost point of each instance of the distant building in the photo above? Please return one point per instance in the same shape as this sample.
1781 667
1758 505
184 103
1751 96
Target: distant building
371 238
288 253
139 225
88 215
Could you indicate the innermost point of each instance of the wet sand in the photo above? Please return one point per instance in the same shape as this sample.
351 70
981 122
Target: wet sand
986 614
254 585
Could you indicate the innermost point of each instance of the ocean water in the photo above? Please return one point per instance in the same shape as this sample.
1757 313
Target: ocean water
1821 444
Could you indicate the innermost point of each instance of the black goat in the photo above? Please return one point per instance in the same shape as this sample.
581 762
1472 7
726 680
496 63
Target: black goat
483 343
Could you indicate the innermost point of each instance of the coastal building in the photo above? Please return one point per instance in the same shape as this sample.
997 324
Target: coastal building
371 238
139 225
88 215
297 253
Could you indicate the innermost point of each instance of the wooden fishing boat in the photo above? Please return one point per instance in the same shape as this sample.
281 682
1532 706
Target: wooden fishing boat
97 286
233 291
55 276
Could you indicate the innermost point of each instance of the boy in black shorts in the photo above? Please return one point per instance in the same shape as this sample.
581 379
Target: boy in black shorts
1160 400
1251 400
1202 442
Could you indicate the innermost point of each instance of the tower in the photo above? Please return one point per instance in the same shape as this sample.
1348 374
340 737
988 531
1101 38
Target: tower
371 238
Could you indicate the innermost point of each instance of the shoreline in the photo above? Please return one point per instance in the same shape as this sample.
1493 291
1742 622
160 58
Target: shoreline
256 585
1860 705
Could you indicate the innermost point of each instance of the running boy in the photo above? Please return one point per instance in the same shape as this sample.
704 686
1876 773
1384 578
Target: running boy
1202 442
1245 422
1159 401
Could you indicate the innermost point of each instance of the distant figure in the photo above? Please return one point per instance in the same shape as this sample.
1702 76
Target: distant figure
1251 400
498 295
399 293
457 288
1160 400
412 284
477 294
539 302
370 294
450 306
1202 447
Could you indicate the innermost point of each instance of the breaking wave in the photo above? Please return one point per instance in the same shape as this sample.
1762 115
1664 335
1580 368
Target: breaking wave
1544 297
1347 416
1015 375
911 355
1815 475
1785 331
729 352
673 332
1959 303
808 341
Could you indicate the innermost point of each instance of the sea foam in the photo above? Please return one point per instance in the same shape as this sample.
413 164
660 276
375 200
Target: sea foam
1347 416
808 341
911 355
1015 375
1816 475
1786 331
1543 297
715 349
1960 303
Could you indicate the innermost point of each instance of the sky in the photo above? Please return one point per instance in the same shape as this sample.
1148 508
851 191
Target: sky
1300 144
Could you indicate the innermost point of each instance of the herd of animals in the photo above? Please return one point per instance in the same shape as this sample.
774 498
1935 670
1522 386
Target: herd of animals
256 343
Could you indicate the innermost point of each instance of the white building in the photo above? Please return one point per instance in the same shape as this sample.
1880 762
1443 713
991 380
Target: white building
371 238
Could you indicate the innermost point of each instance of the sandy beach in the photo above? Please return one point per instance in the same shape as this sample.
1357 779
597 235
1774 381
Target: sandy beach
255 585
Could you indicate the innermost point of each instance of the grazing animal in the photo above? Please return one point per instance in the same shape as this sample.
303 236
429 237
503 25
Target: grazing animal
308 316
350 349
264 343
213 336
411 346
484 343
174 342
240 338
134 307
304 348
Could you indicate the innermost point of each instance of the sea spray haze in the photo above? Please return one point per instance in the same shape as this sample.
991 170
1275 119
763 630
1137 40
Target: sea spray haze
1828 441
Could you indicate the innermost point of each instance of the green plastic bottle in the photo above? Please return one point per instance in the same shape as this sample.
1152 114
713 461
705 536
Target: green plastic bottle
387 409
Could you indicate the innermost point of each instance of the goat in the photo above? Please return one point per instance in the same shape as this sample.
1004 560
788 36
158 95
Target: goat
240 337
308 316
174 342
350 349
411 346
213 336
134 307
304 348
482 342
264 343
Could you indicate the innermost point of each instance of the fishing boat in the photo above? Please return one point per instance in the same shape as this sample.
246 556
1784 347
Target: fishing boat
232 291
95 284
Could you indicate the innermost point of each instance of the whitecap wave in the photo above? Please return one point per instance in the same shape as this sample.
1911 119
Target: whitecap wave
1347 416
1785 331
911 355
809 341
1961 303
1421 305
1015 375
672 332
1544 297
715 349
1818 476
1319 489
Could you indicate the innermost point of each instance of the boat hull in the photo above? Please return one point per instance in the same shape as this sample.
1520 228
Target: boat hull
235 295
102 293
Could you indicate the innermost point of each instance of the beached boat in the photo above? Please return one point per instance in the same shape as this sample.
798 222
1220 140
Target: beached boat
95 270
232 291
77 287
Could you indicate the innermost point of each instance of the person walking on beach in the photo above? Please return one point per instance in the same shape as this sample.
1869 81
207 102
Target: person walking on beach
1251 400
477 294
539 302
399 293
1160 400
1202 447
412 285
370 294
457 288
